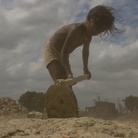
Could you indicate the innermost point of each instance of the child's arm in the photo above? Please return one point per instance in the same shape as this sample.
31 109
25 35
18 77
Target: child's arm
66 51
85 56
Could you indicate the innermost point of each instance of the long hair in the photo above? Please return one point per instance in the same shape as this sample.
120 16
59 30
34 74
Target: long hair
104 17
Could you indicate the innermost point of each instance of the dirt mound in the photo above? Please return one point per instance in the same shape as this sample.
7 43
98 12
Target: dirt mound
10 106
84 127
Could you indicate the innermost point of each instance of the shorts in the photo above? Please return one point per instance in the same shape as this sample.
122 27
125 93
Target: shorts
51 54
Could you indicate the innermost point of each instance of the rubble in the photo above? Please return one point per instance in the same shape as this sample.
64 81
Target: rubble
35 114
9 106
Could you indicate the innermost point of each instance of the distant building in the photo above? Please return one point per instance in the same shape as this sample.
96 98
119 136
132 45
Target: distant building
90 111
102 110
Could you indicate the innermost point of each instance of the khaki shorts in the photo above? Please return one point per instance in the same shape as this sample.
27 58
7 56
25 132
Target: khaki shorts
50 54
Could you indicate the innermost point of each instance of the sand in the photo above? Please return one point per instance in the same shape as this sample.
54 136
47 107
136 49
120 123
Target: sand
83 127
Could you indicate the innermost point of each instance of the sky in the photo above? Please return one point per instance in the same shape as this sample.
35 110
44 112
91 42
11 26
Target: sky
26 26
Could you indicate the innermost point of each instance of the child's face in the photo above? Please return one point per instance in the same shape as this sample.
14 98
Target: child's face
93 29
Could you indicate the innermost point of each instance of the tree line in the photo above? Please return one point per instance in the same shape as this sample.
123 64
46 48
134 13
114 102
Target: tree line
131 103
36 101
33 101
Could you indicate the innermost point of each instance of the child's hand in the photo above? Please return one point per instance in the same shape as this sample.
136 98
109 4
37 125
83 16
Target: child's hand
70 75
87 72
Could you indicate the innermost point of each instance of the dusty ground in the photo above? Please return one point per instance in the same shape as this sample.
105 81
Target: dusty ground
84 127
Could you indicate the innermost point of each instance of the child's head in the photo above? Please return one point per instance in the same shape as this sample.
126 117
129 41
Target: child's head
103 17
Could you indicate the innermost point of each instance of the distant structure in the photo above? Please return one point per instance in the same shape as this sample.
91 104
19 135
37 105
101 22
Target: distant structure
102 109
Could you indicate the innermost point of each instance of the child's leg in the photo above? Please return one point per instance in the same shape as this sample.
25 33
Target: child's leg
56 70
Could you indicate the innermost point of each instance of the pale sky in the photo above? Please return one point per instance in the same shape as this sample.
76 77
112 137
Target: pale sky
25 27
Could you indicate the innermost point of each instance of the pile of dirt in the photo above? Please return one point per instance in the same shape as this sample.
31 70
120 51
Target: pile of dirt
10 106
84 127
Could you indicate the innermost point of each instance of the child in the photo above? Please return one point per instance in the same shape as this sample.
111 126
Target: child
100 21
